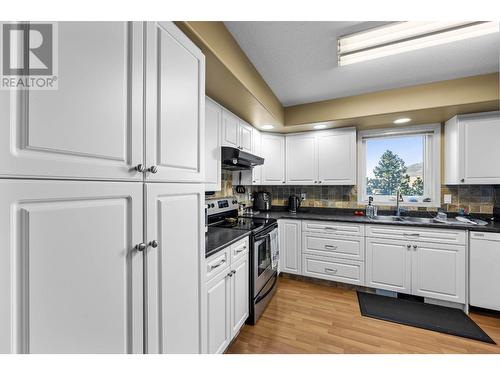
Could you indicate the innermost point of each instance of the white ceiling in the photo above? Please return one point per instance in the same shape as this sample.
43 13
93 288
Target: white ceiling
298 60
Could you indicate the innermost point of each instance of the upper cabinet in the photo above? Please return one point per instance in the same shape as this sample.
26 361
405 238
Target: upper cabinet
235 132
471 149
175 106
91 126
256 150
213 124
326 157
273 152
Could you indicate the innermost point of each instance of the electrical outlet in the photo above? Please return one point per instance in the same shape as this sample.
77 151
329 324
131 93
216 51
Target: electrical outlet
303 196
447 199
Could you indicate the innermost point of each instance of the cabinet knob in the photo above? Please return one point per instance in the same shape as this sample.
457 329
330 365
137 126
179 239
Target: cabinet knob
319 182
140 246
154 244
408 246
140 168
462 180
153 169
415 247
282 182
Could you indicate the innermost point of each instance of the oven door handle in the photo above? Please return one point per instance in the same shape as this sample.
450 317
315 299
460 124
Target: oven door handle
260 298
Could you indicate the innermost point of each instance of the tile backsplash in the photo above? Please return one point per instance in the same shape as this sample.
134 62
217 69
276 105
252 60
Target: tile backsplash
473 198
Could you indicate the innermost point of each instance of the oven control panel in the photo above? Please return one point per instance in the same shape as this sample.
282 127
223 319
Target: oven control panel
217 206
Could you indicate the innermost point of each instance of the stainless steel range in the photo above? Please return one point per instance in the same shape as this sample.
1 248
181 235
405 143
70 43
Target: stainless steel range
264 252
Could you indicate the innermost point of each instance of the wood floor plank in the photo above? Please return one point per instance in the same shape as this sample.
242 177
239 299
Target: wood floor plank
306 317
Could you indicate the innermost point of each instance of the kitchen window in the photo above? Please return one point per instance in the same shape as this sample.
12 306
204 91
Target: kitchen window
405 159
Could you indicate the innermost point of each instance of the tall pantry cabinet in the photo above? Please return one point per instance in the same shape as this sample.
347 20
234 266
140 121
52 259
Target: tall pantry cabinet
101 196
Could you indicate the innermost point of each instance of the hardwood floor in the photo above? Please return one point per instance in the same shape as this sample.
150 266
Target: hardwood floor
306 317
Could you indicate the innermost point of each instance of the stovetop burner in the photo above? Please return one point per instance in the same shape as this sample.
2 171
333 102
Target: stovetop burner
245 223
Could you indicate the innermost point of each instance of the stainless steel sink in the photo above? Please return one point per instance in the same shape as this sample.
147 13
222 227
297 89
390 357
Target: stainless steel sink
387 218
423 220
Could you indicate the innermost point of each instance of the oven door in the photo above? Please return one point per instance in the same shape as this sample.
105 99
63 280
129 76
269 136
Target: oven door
262 262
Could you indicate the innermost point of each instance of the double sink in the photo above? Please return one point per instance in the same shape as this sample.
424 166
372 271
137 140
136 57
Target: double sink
405 219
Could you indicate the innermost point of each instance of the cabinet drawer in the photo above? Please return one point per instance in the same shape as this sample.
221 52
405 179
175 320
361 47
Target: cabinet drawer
239 249
445 236
342 270
333 227
218 263
485 236
349 247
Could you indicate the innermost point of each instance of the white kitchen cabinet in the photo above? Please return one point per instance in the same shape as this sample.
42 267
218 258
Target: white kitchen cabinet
240 298
245 137
91 126
71 278
256 150
227 296
471 149
290 240
175 106
273 152
218 313
175 219
213 124
334 269
337 157
230 129
301 159
438 271
388 264
326 157
485 270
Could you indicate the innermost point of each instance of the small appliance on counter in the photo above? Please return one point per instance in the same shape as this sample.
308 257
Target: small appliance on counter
371 210
293 203
262 201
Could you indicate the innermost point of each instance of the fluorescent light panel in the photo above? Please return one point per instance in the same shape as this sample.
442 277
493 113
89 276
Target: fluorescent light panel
407 36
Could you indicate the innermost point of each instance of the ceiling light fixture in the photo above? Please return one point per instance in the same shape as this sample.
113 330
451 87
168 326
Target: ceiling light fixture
408 36
267 127
403 120
319 126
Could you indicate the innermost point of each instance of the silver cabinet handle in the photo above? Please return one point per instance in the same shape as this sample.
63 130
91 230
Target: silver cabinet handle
214 266
415 247
330 247
231 273
140 246
240 250
408 246
411 234
140 168
153 169
331 270
154 244
331 228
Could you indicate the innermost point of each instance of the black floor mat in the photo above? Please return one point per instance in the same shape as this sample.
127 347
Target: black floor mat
422 315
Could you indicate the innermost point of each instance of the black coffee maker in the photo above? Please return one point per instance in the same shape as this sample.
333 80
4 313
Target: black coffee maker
293 203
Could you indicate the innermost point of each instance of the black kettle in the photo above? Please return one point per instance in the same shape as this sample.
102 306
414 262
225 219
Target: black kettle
293 203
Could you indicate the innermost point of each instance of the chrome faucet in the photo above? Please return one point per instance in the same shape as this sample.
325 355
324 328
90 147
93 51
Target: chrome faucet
399 198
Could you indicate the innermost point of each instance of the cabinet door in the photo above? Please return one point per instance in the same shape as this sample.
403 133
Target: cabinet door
301 159
273 152
175 105
290 246
91 126
239 295
175 218
72 281
438 271
245 137
257 150
337 157
388 265
480 150
213 121
218 313
230 129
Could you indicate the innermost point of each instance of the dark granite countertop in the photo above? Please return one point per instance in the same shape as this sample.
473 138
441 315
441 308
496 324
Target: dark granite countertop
217 239
348 216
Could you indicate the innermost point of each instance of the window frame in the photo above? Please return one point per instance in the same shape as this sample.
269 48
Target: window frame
432 163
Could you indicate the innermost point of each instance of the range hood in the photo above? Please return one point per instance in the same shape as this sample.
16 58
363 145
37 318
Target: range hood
236 160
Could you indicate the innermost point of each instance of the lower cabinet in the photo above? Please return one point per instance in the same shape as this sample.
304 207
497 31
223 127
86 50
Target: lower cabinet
290 246
173 267
227 296
334 269
71 278
424 269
